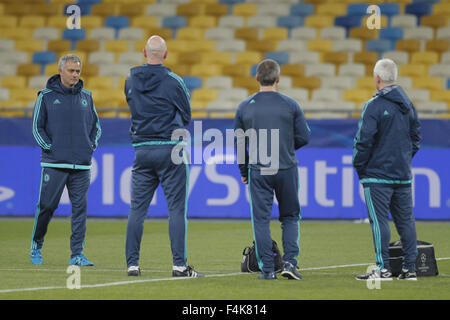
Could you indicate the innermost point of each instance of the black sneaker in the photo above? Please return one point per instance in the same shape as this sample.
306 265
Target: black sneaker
188 272
290 272
134 271
267 276
407 275
376 274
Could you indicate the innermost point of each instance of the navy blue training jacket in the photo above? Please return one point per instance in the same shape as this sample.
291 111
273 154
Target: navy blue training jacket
159 104
273 110
388 137
65 125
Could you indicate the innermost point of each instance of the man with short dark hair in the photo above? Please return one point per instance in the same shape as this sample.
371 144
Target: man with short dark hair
272 122
388 137
67 128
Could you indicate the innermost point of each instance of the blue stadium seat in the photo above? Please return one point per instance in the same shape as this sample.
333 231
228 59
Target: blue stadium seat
348 22
174 23
448 83
117 22
74 35
389 10
419 10
357 9
426 1
378 45
91 2
392 34
279 56
253 70
43 58
231 1
290 22
302 9
193 83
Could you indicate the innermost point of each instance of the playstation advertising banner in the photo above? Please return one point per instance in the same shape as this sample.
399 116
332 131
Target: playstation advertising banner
329 187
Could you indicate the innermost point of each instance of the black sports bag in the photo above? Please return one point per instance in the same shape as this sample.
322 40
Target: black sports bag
425 263
250 264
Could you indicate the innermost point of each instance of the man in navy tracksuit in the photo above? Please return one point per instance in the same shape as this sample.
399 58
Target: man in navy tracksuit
388 137
159 104
280 128
67 128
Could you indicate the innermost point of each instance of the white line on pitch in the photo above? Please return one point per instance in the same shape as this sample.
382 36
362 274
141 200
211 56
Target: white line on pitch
118 283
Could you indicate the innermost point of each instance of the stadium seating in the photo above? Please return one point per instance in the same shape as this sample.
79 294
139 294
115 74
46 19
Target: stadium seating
325 50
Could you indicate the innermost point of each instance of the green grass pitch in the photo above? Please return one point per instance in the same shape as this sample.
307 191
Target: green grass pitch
332 253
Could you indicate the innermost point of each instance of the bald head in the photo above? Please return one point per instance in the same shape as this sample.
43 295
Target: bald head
155 50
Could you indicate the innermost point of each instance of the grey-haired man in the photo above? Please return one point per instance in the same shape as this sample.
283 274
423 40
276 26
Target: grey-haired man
67 129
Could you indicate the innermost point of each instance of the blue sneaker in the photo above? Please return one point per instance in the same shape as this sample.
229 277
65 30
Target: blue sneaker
290 272
267 276
80 260
36 256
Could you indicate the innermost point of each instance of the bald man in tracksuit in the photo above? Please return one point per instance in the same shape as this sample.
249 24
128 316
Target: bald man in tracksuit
388 137
273 112
159 105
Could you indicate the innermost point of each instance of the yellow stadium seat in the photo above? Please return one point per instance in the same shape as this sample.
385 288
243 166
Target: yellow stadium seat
206 70
440 95
190 33
248 57
18 9
200 46
320 45
413 70
336 58
358 96
424 57
441 9
136 9
173 45
58 21
51 69
191 9
309 83
105 9
32 21
59 45
117 46
248 83
332 9
46 9
11 108
237 70
100 82
26 95
17 33
199 114
409 45
365 57
88 45
145 22
203 22
434 21
89 70
363 33
366 83
205 95
293 70
8 21
438 45
216 9
14 82
429 83
165 33
107 97
319 21
90 22
29 45
275 34
28 70
221 58
204 1
172 58
261 45
180 69
246 33
190 59
245 9
222 115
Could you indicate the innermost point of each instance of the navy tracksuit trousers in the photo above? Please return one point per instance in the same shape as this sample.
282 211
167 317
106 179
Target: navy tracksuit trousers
153 165
53 181
396 199
261 190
